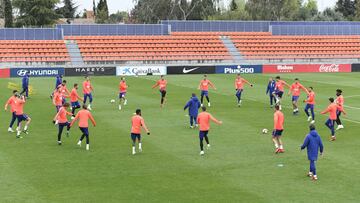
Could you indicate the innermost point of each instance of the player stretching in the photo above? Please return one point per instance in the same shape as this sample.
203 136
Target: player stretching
74 99
313 143
330 123
84 115
61 119
204 87
310 102
162 83
279 90
137 122
87 90
122 95
25 84
278 130
239 87
58 99
295 90
19 112
193 104
270 90
340 103
11 102
204 123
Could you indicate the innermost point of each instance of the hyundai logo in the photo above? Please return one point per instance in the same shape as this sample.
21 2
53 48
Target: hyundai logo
21 72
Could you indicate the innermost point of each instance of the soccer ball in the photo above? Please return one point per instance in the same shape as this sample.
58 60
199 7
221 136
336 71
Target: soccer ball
112 101
265 131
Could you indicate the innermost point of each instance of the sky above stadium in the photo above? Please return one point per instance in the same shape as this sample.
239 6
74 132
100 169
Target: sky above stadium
127 5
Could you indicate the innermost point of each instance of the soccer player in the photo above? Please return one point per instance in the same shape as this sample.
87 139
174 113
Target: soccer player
74 99
11 102
239 87
58 82
295 90
58 99
279 90
204 87
313 144
61 119
203 120
278 130
270 90
340 103
162 83
83 116
193 104
123 89
137 122
25 85
330 123
310 102
87 90
64 91
19 112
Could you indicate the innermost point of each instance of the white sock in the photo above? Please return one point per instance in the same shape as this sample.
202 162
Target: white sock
79 143
87 146
18 133
140 145
26 127
125 102
276 145
281 146
133 150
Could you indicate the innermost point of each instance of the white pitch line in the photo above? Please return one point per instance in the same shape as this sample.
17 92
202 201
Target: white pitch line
351 107
351 96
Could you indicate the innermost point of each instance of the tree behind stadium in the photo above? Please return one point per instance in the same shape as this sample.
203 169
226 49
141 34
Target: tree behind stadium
35 12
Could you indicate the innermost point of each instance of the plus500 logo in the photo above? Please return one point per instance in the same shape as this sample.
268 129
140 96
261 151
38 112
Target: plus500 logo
239 70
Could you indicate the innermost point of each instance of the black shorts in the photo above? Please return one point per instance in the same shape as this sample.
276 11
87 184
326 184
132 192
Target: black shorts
163 93
135 136
277 133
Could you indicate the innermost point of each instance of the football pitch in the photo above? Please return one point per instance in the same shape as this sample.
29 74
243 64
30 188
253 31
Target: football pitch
241 165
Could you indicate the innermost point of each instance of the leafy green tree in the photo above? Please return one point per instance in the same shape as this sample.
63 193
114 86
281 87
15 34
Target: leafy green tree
2 4
102 12
329 14
233 5
68 10
357 10
36 12
346 8
118 17
8 13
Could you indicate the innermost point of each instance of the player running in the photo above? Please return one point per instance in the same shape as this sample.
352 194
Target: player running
270 90
87 90
295 90
62 121
19 112
162 83
313 144
74 99
11 102
239 87
25 84
204 87
58 99
279 90
193 104
122 89
330 123
83 116
310 102
340 103
278 130
203 120
137 122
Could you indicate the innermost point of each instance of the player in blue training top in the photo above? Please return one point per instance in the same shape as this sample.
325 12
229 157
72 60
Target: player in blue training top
25 85
193 104
58 81
313 144
270 90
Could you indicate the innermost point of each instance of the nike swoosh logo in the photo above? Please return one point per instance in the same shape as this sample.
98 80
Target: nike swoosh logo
189 70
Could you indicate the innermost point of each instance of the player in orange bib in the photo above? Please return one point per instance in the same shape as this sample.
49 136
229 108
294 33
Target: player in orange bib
162 83
64 91
84 116
310 103
279 90
137 122
21 116
11 102
203 120
204 87
74 99
278 130
239 87
62 121
87 91
122 92
295 90
330 123
340 103
58 99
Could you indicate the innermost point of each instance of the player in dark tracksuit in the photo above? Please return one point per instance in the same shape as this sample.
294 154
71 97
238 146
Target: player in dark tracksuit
193 104
270 89
25 85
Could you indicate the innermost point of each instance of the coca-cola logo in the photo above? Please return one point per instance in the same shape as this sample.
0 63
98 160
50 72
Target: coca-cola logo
285 68
329 68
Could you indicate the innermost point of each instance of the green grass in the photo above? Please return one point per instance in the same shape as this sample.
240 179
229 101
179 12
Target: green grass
240 167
